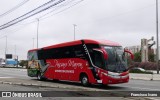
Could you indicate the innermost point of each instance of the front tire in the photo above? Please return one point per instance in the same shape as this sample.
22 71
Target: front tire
84 80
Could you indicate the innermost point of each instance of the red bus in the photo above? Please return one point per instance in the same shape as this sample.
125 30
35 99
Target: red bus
85 61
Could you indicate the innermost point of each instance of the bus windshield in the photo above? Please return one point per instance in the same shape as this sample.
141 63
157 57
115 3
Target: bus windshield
116 61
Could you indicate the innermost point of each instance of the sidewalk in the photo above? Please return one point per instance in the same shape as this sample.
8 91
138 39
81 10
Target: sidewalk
145 76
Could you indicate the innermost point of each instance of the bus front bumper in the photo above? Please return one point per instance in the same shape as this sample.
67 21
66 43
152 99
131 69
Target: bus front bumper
115 79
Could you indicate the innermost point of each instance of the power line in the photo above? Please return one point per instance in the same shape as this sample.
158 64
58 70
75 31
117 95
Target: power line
41 18
27 13
58 7
25 16
12 31
14 8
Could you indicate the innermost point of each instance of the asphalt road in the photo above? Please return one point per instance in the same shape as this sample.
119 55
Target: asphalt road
15 75
139 85
22 89
133 85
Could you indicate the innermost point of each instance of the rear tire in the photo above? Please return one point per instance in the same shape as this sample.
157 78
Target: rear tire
40 77
84 80
104 85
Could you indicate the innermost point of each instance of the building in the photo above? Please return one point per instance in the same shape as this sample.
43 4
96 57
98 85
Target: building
134 49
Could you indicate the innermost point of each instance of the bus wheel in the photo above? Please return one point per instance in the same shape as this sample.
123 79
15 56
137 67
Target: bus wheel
84 80
39 76
104 85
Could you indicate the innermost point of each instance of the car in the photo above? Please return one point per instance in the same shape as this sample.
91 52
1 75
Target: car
2 64
140 70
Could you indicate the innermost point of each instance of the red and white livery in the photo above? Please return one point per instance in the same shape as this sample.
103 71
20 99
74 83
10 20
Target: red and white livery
85 61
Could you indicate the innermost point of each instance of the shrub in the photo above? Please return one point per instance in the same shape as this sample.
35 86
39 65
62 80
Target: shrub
145 65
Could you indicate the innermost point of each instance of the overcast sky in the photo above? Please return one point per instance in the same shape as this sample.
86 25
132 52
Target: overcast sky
123 21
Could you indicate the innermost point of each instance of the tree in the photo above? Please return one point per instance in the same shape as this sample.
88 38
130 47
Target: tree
23 63
151 57
137 57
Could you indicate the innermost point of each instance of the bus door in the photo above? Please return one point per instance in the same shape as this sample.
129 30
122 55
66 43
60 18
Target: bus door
100 64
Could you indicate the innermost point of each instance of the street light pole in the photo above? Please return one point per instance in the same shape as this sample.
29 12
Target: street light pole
15 51
6 52
157 37
37 30
33 43
74 25
16 56
6 46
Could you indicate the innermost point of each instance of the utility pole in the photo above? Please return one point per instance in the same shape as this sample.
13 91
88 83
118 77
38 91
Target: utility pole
6 52
74 25
33 42
17 61
15 49
16 57
37 31
157 37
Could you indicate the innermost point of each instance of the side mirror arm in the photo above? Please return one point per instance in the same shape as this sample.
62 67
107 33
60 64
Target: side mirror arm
103 52
132 56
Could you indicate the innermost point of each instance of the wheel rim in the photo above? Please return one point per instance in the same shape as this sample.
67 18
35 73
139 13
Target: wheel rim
39 77
84 80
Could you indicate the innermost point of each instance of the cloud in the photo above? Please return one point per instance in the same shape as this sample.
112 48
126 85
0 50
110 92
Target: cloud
123 21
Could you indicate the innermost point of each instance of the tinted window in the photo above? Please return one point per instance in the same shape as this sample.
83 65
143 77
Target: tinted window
32 55
63 52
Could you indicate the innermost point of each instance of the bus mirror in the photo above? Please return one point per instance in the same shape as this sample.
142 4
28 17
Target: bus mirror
132 56
103 52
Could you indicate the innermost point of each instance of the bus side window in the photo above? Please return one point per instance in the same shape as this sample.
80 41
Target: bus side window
79 54
67 54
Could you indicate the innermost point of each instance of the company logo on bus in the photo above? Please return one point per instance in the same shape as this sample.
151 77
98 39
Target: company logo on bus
70 63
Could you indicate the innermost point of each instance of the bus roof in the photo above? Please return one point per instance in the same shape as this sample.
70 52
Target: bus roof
108 42
33 50
77 42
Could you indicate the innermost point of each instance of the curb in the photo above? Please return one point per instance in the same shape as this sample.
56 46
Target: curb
40 85
141 79
144 79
